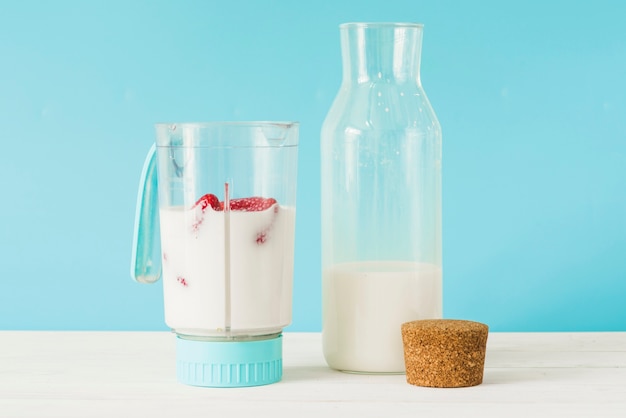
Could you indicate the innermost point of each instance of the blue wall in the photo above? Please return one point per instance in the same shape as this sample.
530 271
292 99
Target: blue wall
530 95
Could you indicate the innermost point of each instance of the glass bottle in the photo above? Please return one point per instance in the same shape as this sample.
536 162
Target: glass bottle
380 200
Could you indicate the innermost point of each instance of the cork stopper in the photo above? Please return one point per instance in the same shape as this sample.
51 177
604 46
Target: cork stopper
444 353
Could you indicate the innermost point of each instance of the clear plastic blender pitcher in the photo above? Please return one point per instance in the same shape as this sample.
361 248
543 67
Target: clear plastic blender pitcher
226 211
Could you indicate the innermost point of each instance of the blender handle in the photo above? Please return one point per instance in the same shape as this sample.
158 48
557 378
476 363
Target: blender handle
146 257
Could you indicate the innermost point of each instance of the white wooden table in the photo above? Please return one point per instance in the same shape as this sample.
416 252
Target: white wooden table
131 374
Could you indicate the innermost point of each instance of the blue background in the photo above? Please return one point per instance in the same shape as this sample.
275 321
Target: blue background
530 95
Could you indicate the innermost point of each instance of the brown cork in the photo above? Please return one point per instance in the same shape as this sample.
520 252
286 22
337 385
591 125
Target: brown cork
444 353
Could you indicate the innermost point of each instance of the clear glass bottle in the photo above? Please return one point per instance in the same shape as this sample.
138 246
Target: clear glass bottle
381 200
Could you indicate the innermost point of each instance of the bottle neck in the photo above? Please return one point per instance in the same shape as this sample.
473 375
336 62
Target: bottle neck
388 52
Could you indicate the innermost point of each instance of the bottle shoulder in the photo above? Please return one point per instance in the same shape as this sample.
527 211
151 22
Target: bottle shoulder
381 106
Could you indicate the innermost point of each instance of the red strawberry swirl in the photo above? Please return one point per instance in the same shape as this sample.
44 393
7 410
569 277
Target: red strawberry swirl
201 206
244 204
263 236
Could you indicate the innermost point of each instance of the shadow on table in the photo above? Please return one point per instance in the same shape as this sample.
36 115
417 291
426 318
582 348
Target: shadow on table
496 376
298 373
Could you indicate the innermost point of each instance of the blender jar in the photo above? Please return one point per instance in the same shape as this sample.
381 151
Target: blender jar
226 215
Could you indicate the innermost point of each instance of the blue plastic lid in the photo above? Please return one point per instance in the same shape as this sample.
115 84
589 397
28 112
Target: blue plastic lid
229 363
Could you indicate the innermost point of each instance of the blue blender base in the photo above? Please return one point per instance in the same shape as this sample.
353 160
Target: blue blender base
229 363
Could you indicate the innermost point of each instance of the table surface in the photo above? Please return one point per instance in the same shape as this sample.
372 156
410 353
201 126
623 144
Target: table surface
131 374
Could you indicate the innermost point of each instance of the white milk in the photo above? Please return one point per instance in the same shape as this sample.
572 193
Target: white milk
365 305
194 271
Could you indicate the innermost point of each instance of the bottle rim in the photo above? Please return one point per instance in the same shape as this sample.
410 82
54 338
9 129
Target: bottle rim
380 25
